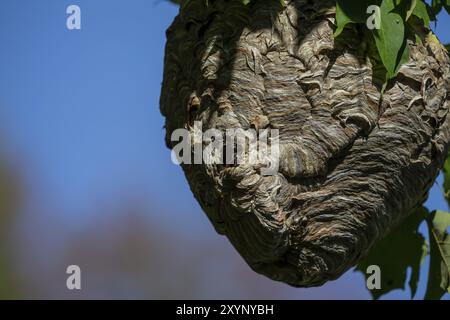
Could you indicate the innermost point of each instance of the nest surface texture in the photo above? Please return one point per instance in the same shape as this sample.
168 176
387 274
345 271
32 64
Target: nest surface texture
353 162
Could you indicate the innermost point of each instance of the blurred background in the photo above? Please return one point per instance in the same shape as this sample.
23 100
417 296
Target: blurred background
86 179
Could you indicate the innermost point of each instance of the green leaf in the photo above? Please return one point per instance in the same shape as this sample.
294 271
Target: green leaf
405 247
348 11
436 7
390 39
410 9
446 185
446 4
439 273
421 11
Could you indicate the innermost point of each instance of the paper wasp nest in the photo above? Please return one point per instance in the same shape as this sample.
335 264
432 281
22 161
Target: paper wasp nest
353 163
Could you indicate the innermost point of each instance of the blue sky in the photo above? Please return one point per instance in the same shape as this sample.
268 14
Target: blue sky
83 105
79 112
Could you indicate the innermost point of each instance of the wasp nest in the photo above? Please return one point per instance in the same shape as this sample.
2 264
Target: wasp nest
353 162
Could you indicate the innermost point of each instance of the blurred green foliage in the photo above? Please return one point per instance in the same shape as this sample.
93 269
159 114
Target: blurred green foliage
9 202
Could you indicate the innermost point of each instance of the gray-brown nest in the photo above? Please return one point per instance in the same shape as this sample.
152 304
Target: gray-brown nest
354 162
